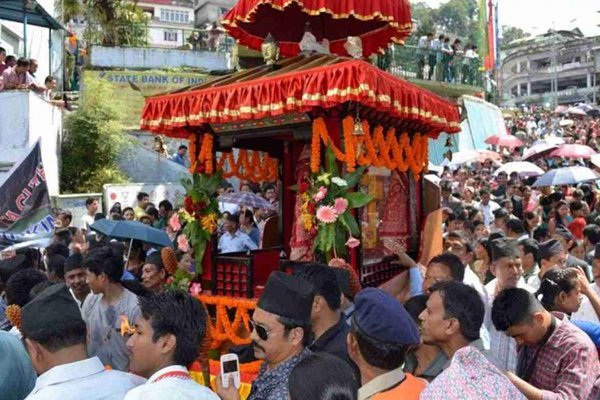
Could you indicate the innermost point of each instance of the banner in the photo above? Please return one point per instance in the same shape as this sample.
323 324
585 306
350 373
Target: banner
25 210
130 88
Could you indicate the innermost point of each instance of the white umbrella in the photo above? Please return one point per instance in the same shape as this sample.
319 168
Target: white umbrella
595 159
566 122
576 111
566 176
435 168
538 150
524 168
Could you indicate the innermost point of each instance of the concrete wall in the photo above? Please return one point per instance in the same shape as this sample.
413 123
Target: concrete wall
149 58
26 118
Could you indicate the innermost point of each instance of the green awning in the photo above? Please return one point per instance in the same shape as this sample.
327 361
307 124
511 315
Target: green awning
12 10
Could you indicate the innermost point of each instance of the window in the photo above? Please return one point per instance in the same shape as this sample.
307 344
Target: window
170 36
174 16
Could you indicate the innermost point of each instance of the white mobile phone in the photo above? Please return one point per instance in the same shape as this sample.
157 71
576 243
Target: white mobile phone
230 370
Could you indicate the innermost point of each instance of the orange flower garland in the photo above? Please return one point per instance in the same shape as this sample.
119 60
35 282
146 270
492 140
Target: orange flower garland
13 314
169 260
223 329
372 149
205 156
192 145
249 166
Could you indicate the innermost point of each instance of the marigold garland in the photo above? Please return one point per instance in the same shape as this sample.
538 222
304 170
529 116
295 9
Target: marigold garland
203 162
249 166
13 314
169 260
372 149
223 329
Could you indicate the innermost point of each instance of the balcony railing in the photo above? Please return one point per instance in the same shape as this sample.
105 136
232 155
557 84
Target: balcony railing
414 63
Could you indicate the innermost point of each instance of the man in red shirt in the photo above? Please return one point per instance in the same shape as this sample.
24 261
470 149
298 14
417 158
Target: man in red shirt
556 359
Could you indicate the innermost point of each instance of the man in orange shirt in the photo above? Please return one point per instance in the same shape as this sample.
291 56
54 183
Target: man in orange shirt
380 336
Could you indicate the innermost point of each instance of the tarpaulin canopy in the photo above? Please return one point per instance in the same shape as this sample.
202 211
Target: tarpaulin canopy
15 10
378 23
300 85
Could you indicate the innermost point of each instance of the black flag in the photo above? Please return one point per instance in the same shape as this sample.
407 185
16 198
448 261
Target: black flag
25 210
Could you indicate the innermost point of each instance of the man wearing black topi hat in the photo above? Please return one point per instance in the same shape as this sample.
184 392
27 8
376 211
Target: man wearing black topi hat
55 337
381 334
551 254
280 333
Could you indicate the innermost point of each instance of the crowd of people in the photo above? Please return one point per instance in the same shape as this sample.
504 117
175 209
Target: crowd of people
21 73
509 309
445 60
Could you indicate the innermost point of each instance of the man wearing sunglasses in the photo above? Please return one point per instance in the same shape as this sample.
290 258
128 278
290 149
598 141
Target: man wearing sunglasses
280 334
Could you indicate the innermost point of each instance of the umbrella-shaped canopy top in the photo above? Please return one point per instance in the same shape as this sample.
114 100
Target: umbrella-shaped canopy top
377 22
538 150
566 176
573 151
524 169
504 141
247 199
132 230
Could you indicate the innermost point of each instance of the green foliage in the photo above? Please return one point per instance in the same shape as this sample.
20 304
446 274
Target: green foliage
116 23
455 17
512 33
93 140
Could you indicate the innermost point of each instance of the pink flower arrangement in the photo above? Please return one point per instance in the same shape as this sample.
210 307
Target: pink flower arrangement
182 243
320 195
352 242
340 205
174 222
326 214
195 289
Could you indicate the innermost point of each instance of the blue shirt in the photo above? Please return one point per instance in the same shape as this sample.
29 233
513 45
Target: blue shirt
273 384
178 159
237 242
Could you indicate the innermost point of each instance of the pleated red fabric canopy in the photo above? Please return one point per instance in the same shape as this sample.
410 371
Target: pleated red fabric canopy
378 23
301 91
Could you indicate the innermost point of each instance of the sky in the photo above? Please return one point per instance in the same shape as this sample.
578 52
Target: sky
537 16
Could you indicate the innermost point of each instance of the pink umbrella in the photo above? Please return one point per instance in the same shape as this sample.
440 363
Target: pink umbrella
573 151
509 141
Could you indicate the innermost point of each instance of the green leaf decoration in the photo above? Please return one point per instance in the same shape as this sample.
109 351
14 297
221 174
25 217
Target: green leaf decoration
350 223
331 162
354 177
358 199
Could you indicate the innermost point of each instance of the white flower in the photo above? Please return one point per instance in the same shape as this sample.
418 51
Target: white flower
339 181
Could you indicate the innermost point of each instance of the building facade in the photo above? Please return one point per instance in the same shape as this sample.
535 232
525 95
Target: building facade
211 11
559 67
171 22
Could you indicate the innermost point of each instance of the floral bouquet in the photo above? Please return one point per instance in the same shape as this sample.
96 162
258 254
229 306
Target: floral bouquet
327 203
200 214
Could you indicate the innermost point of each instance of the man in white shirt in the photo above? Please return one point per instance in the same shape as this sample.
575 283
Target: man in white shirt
233 240
423 53
167 337
507 268
76 278
487 207
551 254
91 205
55 337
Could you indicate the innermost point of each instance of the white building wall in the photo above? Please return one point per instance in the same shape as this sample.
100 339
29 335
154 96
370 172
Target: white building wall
26 118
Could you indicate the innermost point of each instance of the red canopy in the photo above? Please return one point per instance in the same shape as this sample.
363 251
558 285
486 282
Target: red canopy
302 89
377 22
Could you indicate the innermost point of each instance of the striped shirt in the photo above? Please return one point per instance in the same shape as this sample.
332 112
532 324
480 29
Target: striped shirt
566 366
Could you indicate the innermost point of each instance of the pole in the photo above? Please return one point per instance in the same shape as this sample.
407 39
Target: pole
49 52
25 28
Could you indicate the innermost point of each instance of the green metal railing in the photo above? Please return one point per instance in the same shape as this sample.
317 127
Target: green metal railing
414 63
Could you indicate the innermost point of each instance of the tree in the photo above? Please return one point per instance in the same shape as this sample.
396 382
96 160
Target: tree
93 140
512 33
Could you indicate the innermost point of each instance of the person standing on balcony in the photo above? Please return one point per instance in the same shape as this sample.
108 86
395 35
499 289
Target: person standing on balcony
468 65
435 57
447 54
458 54
422 53
17 77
